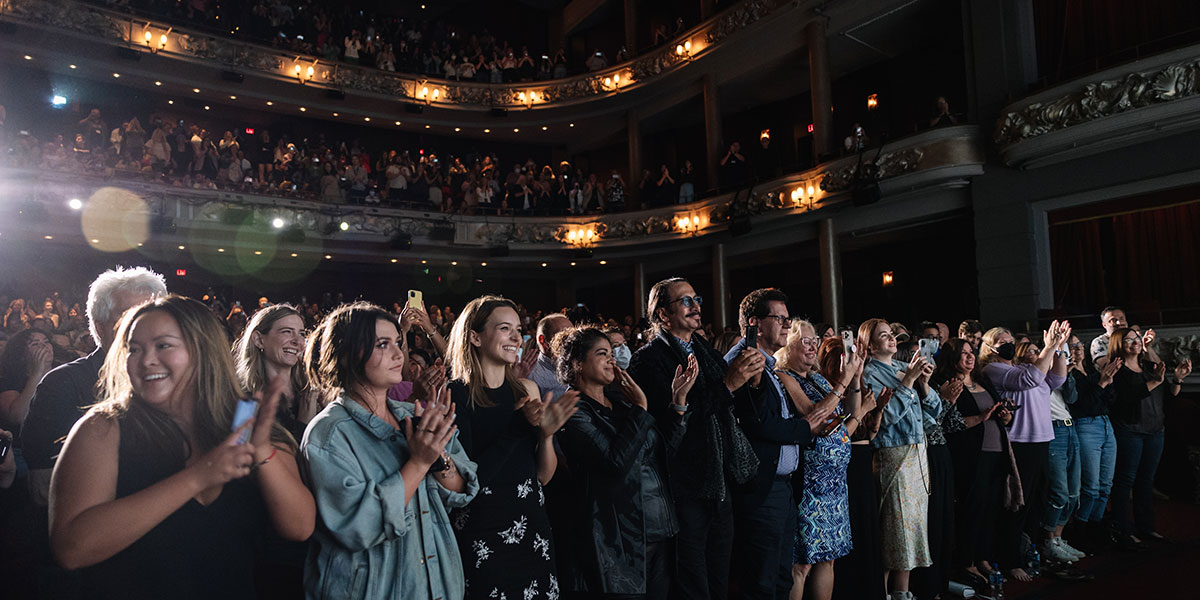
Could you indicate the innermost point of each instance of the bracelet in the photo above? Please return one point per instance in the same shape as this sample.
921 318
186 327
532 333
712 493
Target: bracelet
855 417
267 459
679 409
853 390
447 466
839 395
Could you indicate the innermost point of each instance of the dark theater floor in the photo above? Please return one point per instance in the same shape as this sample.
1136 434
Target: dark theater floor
1164 571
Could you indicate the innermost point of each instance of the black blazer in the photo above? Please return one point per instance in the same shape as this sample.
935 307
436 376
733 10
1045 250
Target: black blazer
761 417
653 368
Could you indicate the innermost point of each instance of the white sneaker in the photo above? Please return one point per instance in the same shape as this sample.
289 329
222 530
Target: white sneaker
1071 549
1053 550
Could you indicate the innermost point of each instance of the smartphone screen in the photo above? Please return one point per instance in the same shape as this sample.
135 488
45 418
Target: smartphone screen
927 347
246 407
415 299
752 336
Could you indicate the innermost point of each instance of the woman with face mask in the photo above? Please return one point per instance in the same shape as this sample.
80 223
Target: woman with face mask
621 352
1027 385
625 544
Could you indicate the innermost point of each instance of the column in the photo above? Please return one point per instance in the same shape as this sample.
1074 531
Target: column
822 95
712 131
631 26
639 290
831 273
634 132
720 304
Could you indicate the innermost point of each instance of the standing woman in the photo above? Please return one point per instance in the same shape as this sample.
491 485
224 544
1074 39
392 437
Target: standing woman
1097 446
619 458
1028 385
504 534
903 473
385 474
151 492
978 443
273 343
823 532
1137 417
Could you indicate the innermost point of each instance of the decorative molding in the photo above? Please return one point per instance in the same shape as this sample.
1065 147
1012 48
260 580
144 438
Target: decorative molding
1100 99
889 164
93 21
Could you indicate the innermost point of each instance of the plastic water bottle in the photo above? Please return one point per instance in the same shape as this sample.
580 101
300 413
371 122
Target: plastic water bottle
996 583
1035 561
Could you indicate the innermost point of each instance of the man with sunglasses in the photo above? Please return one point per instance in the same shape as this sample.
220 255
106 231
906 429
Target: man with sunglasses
711 455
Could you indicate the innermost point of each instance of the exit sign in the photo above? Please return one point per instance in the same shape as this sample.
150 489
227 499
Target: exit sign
181 272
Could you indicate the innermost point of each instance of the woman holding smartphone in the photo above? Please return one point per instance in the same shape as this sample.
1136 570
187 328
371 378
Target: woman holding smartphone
151 493
385 474
903 473
505 533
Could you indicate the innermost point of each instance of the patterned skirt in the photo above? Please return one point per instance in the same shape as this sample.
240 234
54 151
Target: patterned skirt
903 476
823 522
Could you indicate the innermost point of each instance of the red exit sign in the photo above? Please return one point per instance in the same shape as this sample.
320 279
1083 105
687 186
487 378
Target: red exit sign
181 272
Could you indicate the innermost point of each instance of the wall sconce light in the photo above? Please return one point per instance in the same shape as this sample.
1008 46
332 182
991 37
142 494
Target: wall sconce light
584 237
764 135
162 40
148 37
684 49
872 101
304 75
888 279
688 225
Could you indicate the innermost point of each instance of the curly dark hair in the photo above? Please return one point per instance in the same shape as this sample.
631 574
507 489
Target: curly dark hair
571 347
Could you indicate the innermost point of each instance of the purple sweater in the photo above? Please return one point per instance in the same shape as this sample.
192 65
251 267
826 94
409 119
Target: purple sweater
1030 389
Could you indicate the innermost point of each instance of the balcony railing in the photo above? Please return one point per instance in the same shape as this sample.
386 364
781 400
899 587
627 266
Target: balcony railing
161 38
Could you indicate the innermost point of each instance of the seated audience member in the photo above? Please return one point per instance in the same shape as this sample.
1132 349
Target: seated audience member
151 494
385 474
625 525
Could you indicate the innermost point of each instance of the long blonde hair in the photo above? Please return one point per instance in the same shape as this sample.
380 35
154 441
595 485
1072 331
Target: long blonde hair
463 356
797 328
213 378
249 362
987 351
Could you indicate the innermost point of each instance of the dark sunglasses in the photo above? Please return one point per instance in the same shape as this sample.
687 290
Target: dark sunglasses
689 301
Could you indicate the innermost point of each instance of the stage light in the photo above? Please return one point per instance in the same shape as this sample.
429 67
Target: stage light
75 203
344 226
58 100
277 223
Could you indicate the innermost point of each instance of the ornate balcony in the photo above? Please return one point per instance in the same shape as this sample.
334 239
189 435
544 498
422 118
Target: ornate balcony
1137 102
207 220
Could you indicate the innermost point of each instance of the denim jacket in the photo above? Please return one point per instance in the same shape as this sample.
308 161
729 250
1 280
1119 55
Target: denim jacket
368 542
906 414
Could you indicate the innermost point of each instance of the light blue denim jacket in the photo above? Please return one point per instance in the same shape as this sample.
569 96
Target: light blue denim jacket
368 543
906 415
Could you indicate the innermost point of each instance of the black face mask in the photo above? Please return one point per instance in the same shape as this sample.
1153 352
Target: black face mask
1007 350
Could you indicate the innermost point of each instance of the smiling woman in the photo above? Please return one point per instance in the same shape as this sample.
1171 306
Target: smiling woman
150 491
273 343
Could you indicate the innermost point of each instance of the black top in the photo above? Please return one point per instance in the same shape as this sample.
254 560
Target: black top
1093 400
59 400
1135 406
197 552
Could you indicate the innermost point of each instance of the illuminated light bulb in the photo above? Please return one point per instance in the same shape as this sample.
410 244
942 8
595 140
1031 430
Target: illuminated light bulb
162 40
344 226
149 36
424 92
695 220
811 190
607 81
679 49
436 93
617 78
195 90
687 45
297 69
116 74
310 72
521 96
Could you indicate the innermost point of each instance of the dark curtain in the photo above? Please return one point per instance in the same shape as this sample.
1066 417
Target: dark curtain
1075 37
1157 262
1078 267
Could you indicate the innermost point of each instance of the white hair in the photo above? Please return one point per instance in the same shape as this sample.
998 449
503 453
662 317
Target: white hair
135 280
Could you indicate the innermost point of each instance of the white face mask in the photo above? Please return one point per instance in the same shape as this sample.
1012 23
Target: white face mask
622 355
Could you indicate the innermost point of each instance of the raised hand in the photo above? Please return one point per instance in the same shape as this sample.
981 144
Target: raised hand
683 381
430 431
748 365
819 415
555 414
1183 369
228 461
532 407
40 359
1050 335
268 405
525 366
1110 371
429 380
1148 338
951 390
868 400
1158 370
633 392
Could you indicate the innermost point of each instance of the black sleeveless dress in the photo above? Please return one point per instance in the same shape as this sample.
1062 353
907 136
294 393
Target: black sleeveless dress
197 552
503 535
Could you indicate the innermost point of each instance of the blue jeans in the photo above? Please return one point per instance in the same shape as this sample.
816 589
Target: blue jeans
1097 459
1137 461
1062 477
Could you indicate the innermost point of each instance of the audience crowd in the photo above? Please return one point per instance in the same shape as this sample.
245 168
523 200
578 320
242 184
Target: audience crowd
346 33
188 155
334 449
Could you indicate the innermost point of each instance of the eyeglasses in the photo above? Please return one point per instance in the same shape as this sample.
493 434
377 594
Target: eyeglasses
689 301
810 341
783 319
1076 345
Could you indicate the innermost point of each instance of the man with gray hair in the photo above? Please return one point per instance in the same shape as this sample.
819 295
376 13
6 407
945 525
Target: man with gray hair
64 393
544 372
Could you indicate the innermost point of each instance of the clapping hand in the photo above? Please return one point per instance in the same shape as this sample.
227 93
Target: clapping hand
429 380
950 390
431 429
1183 369
684 380
1109 371
553 415
525 366
1158 371
1148 338
632 391
264 418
